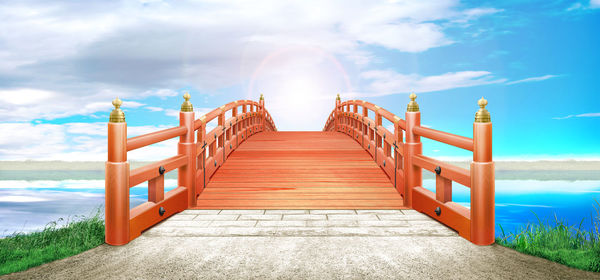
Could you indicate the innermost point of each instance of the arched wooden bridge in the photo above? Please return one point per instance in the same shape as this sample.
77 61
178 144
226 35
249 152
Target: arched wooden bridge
245 163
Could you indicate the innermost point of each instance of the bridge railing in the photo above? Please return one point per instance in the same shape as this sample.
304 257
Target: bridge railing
194 161
403 148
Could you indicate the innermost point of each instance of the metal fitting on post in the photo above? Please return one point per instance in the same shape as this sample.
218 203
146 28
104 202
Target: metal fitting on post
412 105
187 105
482 116
117 115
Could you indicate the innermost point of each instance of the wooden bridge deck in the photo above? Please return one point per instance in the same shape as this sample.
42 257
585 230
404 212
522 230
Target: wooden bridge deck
299 170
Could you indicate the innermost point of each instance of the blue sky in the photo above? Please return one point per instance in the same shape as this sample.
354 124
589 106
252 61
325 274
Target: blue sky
536 62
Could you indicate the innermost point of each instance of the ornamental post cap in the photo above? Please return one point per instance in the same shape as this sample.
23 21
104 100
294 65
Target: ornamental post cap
262 97
482 116
413 106
186 106
338 97
117 115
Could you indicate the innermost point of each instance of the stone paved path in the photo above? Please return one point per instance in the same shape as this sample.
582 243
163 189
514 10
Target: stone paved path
301 244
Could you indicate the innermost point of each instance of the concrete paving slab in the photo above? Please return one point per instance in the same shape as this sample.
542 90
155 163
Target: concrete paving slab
232 212
354 217
304 217
261 217
199 212
217 217
285 211
332 211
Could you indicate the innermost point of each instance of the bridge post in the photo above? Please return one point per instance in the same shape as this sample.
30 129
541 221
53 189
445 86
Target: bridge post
412 146
116 206
482 179
261 101
201 139
338 101
186 175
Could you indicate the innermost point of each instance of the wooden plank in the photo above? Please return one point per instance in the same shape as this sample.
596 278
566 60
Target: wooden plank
300 170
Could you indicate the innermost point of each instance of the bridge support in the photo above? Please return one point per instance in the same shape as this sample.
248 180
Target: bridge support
413 176
116 207
186 175
482 179
337 113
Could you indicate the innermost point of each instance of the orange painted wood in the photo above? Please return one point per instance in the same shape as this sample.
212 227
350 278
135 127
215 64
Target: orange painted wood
452 172
452 214
147 172
445 137
146 215
299 170
156 189
154 137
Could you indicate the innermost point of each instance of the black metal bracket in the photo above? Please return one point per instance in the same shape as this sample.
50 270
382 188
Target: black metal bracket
161 170
438 211
438 170
161 211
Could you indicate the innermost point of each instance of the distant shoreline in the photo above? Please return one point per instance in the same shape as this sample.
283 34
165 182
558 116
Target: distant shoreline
570 170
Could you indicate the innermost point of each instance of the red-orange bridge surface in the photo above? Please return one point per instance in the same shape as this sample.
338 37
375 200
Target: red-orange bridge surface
243 162
300 170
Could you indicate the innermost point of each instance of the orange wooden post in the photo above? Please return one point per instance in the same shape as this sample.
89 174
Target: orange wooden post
186 175
365 130
261 101
338 101
398 160
156 189
482 179
244 121
116 206
378 122
412 146
355 122
443 189
201 162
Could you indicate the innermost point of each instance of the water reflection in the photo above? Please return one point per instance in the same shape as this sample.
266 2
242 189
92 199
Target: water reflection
30 205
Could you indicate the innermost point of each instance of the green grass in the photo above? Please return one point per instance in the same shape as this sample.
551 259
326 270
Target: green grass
21 251
559 242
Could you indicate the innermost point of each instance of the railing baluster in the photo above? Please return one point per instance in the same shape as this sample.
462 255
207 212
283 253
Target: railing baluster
186 175
116 206
412 173
482 179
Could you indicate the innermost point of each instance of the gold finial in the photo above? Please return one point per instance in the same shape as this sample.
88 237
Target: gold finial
482 116
117 114
261 97
338 97
412 105
187 105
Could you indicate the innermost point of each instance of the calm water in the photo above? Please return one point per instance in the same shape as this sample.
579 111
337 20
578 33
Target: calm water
30 205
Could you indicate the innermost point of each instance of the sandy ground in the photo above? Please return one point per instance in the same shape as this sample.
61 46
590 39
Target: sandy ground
297 244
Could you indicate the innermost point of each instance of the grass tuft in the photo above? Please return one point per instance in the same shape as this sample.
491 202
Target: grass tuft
21 251
558 242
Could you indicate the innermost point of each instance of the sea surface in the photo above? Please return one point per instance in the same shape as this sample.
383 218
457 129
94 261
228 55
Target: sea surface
30 205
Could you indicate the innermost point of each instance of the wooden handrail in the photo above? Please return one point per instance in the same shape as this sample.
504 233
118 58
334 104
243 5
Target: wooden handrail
194 163
444 137
476 224
154 137
149 171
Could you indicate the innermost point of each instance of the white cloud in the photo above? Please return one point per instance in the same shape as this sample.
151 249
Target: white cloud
533 79
83 55
154 109
578 116
594 4
73 142
385 82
